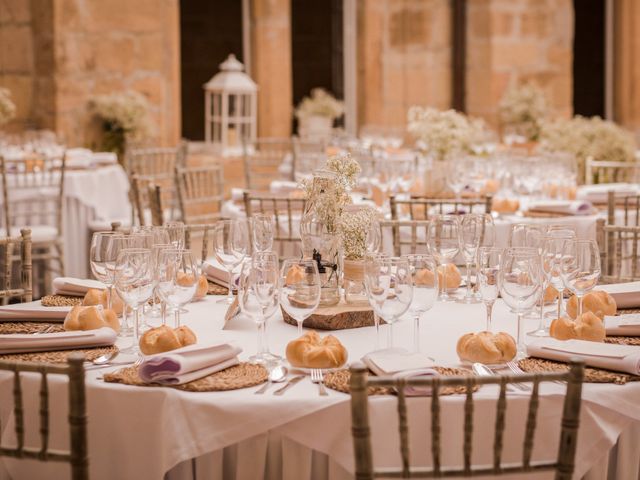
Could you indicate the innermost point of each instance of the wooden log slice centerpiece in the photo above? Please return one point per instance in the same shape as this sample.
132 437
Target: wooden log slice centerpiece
337 317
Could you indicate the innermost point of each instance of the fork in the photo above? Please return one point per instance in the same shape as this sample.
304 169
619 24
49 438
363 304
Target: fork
317 377
515 368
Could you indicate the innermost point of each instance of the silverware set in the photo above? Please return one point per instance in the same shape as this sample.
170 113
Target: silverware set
279 374
482 370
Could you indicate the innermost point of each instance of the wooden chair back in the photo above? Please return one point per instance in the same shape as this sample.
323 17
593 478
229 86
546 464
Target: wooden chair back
597 171
148 200
308 155
262 161
17 265
403 237
33 192
200 193
563 465
201 231
77 456
618 252
628 204
286 212
419 208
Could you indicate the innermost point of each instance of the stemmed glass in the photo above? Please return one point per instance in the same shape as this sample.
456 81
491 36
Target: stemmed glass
444 244
104 250
230 244
134 282
519 279
178 274
258 298
488 278
424 272
475 229
389 286
552 249
300 287
526 235
156 250
580 267
262 230
175 231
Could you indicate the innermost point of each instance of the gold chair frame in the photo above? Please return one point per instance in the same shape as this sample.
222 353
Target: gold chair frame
23 244
200 193
415 204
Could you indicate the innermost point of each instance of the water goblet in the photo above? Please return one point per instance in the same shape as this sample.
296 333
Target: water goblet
230 244
443 241
580 267
424 272
178 274
103 255
300 287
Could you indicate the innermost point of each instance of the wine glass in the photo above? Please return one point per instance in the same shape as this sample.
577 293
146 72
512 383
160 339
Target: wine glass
103 255
230 244
527 235
262 226
134 282
552 249
580 267
389 286
258 298
178 274
519 280
444 244
475 228
160 234
299 289
156 250
487 277
175 231
424 272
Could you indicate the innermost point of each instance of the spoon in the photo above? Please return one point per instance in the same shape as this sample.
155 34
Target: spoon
276 375
104 359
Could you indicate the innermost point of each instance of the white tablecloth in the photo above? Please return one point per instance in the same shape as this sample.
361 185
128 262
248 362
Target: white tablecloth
137 432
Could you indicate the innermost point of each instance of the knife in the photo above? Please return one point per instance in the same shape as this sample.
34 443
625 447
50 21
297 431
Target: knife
289 384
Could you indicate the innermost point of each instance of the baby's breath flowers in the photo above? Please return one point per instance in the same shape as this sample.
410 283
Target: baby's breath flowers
523 108
353 230
320 103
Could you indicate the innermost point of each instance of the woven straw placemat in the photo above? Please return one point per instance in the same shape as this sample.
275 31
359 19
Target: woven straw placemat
30 327
59 356
215 289
339 380
60 301
541 214
591 375
239 376
620 340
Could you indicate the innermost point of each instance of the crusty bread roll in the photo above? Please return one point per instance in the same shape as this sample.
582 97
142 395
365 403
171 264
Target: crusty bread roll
587 326
598 302
186 279
486 347
425 276
504 205
91 318
164 338
295 275
312 351
96 296
550 294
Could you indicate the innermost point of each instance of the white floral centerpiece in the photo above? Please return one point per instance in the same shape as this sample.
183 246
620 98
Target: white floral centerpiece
7 107
124 117
317 112
585 138
523 109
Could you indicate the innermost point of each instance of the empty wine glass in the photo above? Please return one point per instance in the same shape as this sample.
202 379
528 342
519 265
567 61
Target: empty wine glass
527 235
389 286
552 249
262 226
424 272
300 287
175 231
103 255
475 229
488 278
230 244
519 278
444 244
580 267
134 282
178 274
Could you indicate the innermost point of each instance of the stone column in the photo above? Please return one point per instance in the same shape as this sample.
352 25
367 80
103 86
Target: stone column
271 65
626 64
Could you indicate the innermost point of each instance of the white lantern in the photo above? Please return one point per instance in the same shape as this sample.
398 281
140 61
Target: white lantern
230 100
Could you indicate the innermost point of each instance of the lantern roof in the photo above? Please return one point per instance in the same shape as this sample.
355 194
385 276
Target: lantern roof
231 78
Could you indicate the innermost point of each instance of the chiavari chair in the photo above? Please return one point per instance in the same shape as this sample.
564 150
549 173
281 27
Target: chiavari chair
262 161
618 252
200 193
629 205
199 231
77 456
148 199
308 155
562 465
403 237
597 171
286 212
419 208
16 258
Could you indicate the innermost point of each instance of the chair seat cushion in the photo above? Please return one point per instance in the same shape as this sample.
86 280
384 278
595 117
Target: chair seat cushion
39 233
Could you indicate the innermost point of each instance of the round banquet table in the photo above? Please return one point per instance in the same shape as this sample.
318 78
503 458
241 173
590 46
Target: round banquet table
156 432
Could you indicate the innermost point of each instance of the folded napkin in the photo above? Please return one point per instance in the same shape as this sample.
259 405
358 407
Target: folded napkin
620 358
32 312
215 272
46 342
599 193
567 207
626 295
188 364
625 325
394 360
76 287
414 391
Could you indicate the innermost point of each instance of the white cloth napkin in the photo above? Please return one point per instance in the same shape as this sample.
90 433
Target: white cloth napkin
45 342
626 325
626 295
77 287
215 272
561 206
599 193
412 391
621 358
32 312
188 364
394 360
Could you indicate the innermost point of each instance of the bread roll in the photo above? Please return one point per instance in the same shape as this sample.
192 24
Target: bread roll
550 294
96 296
312 351
186 280
91 318
295 275
587 326
598 302
486 347
425 276
164 339
505 205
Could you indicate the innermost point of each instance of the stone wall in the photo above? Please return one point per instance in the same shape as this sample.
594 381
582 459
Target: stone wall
627 66
404 58
518 40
